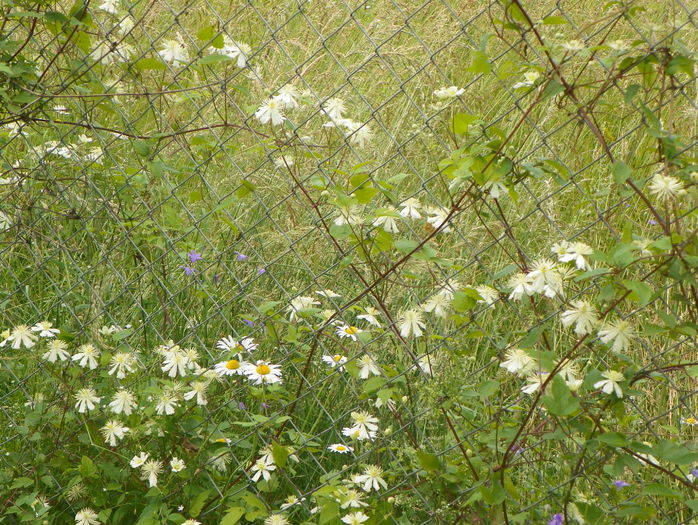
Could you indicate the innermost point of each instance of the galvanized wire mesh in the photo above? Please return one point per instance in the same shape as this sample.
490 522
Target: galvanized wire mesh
149 159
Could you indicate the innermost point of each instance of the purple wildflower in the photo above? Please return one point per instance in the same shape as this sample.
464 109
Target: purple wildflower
248 322
261 271
652 222
193 256
241 405
241 256
694 472
264 404
188 270
557 519
619 483
215 279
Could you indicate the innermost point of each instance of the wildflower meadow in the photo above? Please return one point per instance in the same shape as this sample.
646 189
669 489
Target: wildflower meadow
348 262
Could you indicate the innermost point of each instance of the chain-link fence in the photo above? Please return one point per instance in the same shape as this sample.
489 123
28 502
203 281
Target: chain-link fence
357 187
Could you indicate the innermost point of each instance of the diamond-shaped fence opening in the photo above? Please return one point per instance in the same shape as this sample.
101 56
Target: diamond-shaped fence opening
399 205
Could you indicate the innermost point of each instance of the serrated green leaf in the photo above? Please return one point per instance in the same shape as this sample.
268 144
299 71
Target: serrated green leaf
232 516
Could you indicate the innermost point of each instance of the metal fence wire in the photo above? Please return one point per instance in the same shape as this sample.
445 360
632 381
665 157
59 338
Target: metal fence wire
150 200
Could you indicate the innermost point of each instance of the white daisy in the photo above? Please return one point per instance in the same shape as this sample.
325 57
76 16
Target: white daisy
348 331
340 449
231 367
545 278
246 344
335 361
263 373
489 295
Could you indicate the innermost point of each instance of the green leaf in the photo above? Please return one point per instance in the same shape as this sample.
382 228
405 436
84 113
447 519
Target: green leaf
280 454
213 59
142 148
613 439
462 302
641 292
493 495
560 402
406 245
554 20
232 516
198 503
657 489
87 468
329 513
461 121
479 63
246 187
592 273
146 64
621 172
429 462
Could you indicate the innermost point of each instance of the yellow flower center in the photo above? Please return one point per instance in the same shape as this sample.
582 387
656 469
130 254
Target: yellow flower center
221 440
239 347
337 358
691 420
233 364
341 448
352 330
263 370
